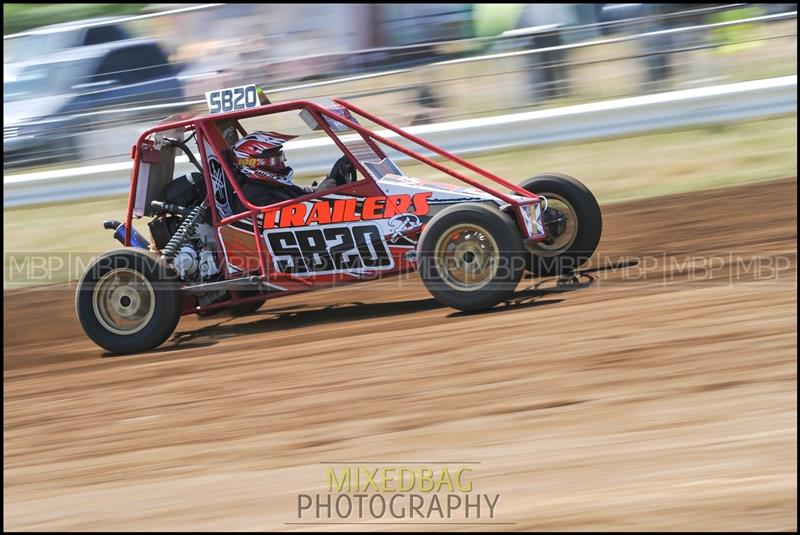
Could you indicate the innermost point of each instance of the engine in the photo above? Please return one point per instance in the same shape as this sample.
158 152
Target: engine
194 261
182 233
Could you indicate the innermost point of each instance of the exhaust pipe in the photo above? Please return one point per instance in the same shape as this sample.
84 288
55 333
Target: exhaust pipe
137 240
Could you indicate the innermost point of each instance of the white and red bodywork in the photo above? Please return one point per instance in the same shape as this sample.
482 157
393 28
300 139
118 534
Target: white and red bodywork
370 227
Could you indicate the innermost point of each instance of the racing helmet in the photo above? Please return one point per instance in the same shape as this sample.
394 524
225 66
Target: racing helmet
260 156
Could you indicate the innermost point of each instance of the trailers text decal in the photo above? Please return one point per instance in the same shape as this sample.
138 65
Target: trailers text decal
346 210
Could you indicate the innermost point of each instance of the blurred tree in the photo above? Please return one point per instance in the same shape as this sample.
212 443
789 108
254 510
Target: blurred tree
731 39
493 19
21 17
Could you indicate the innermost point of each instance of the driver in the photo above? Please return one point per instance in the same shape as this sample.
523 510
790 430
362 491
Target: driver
264 176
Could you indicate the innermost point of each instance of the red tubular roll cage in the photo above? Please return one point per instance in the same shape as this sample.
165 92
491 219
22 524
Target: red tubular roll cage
203 126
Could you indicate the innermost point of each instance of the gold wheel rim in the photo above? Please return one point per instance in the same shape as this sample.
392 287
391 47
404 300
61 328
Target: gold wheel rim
568 237
467 257
123 301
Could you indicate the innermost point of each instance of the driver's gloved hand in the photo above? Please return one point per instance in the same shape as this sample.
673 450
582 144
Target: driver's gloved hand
343 171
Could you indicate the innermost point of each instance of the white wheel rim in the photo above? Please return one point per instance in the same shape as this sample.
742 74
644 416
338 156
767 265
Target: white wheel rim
123 301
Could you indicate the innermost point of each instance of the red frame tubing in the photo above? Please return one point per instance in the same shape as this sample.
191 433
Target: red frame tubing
342 147
253 210
427 161
200 122
202 125
441 152
132 192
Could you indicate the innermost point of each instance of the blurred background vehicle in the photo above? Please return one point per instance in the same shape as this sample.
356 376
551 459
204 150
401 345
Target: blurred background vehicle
52 102
56 37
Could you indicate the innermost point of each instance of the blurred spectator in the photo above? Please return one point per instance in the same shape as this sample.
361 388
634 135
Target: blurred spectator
548 70
428 104
658 58
656 49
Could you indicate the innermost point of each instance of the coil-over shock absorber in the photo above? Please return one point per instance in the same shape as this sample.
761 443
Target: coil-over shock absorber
185 231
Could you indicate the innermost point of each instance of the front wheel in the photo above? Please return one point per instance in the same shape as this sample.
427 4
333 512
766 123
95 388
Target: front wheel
470 256
128 301
573 221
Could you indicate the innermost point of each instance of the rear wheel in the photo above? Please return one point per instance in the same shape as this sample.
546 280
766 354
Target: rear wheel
128 301
574 224
470 257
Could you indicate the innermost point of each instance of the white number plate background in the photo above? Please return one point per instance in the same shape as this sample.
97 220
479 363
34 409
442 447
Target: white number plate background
232 99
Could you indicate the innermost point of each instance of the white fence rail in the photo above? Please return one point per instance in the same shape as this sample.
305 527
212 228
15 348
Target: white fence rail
720 103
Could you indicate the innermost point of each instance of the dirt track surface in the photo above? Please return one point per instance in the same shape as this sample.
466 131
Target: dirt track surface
660 396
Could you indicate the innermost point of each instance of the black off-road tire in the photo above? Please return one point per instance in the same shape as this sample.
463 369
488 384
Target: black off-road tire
128 301
471 235
558 187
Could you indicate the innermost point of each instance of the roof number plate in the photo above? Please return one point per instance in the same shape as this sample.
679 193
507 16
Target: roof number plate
232 99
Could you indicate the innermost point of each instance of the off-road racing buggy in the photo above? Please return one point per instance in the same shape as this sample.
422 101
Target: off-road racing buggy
212 249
